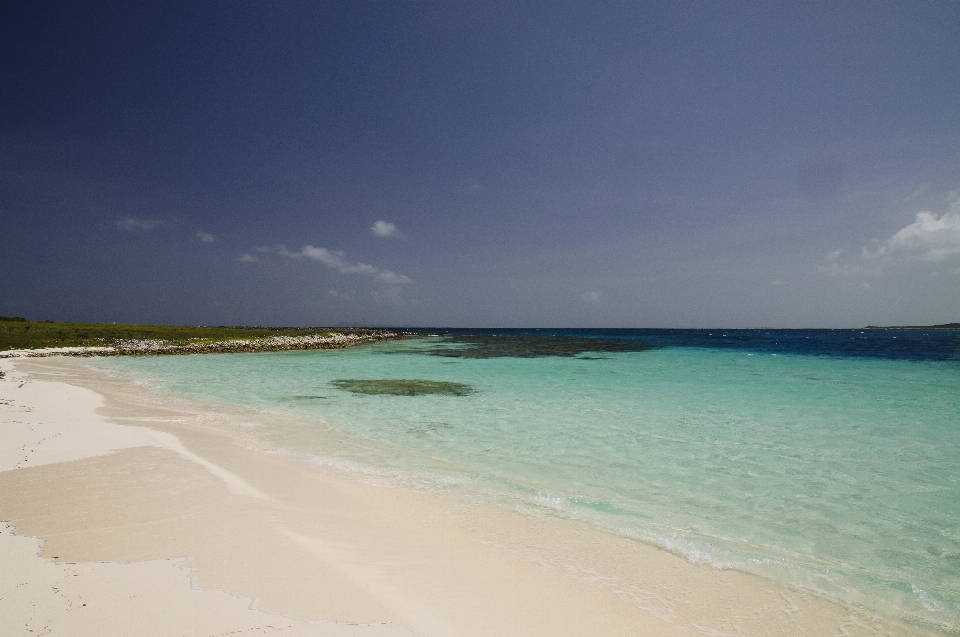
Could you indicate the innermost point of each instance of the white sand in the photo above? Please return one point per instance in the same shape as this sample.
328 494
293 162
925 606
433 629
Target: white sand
123 515
42 352
44 423
47 422
44 597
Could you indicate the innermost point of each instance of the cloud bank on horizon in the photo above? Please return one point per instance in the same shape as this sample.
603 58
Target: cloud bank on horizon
536 164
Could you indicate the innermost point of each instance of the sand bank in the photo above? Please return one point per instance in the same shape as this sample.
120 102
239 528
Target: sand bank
163 524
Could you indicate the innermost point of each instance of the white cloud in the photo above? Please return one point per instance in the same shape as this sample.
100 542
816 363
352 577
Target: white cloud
133 224
345 296
833 267
929 237
590 297
385 230
206 237
392 277
333 259
247 258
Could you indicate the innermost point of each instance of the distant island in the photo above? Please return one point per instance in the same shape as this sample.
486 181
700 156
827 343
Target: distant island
20 337
944 326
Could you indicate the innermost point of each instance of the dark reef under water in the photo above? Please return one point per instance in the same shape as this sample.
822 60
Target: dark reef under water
529 346
927 344
402 387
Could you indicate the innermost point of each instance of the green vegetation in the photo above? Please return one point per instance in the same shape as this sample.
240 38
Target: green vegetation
403 387
16 333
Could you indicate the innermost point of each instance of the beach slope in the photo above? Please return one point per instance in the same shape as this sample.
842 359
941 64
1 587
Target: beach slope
123 517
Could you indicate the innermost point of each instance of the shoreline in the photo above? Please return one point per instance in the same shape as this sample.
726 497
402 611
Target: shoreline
335 550
148 347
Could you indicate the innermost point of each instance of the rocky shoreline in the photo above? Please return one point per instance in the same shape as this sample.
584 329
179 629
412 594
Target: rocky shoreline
145 347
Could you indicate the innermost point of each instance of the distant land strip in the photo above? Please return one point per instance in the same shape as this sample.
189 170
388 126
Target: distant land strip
943 326
22 338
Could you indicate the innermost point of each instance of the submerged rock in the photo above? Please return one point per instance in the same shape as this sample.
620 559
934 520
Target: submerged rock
403 387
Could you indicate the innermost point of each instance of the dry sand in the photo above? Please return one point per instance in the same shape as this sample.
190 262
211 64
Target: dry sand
124 516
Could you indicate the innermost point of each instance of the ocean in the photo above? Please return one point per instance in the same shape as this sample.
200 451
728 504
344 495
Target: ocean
828 460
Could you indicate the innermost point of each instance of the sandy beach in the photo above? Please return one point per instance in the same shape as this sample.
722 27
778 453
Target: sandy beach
123 515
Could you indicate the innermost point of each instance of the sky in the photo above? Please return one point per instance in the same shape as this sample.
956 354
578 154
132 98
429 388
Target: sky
481 164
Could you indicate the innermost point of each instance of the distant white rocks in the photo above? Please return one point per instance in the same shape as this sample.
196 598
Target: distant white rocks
136 347
59 351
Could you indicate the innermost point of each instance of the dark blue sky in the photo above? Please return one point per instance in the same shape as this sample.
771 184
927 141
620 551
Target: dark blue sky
552 164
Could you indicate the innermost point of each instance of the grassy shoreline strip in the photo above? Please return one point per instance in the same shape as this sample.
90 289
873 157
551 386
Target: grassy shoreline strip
29 338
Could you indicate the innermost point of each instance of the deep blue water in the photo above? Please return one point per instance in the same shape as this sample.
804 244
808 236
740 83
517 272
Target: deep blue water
886 343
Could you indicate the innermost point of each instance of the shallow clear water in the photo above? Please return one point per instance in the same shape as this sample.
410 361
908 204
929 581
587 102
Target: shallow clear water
837 473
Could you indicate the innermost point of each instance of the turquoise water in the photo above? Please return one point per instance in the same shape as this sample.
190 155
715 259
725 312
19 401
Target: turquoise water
837 474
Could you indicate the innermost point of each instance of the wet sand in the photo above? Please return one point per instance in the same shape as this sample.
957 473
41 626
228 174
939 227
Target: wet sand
125 514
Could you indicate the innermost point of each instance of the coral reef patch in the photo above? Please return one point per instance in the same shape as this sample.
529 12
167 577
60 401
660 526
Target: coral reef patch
403 387
522 346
